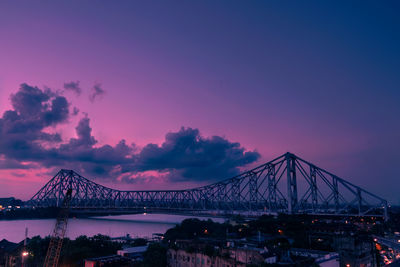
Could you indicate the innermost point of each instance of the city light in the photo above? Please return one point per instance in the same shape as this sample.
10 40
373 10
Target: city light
25 253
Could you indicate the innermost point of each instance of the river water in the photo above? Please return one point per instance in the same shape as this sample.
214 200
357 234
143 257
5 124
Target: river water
137 225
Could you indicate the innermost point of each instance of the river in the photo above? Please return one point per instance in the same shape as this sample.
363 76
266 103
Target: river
137 225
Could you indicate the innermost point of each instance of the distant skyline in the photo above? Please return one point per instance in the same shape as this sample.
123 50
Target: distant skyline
198 91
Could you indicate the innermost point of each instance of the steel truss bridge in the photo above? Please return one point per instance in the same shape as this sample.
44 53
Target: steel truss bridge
287 184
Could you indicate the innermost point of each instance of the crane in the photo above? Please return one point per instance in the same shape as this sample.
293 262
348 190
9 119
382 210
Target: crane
56 240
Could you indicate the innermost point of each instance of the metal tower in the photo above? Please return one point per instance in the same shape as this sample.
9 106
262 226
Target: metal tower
53 252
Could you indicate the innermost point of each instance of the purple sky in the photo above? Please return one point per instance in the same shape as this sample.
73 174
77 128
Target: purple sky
248 80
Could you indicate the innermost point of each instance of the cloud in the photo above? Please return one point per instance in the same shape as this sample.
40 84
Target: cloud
36 108
18 174
6 163
185 155
148 177
189 156
75 111
97 92
74 87
22 129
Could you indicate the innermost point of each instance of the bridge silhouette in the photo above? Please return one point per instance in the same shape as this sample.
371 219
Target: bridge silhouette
286 184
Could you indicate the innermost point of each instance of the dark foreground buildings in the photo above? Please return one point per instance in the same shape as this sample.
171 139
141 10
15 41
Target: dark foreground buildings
266 241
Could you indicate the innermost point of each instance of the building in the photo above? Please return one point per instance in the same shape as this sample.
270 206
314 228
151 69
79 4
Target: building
10 202
11 253
181 258
135 253
210 253
250 255
113 260
322 258
7 249
355 248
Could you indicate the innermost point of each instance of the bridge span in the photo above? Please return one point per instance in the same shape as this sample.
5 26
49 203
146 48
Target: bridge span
286 184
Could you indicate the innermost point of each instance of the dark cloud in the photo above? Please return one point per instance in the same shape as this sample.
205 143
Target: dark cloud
28 101
21 129
18 174
184 155
6 163
139 178
36 108
75 111
189 156
96 92
74 87
81 155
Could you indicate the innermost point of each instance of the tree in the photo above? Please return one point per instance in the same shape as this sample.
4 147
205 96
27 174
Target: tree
155 256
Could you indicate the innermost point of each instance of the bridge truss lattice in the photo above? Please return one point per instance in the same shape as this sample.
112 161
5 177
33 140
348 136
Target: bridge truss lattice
287 184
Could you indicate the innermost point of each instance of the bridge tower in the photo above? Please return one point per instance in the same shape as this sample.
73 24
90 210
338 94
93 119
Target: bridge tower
291 182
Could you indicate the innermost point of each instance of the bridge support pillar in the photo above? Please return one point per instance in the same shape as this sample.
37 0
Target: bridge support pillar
336 193
359 201
291 183
253 191
235 195
314 188
272 188
385 211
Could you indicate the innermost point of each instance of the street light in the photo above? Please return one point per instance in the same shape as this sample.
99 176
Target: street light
24 255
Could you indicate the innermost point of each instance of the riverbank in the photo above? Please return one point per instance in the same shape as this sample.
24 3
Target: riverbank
137 225
28 213
52 212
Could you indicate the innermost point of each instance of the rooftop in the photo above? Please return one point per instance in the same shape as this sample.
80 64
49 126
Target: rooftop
140 249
